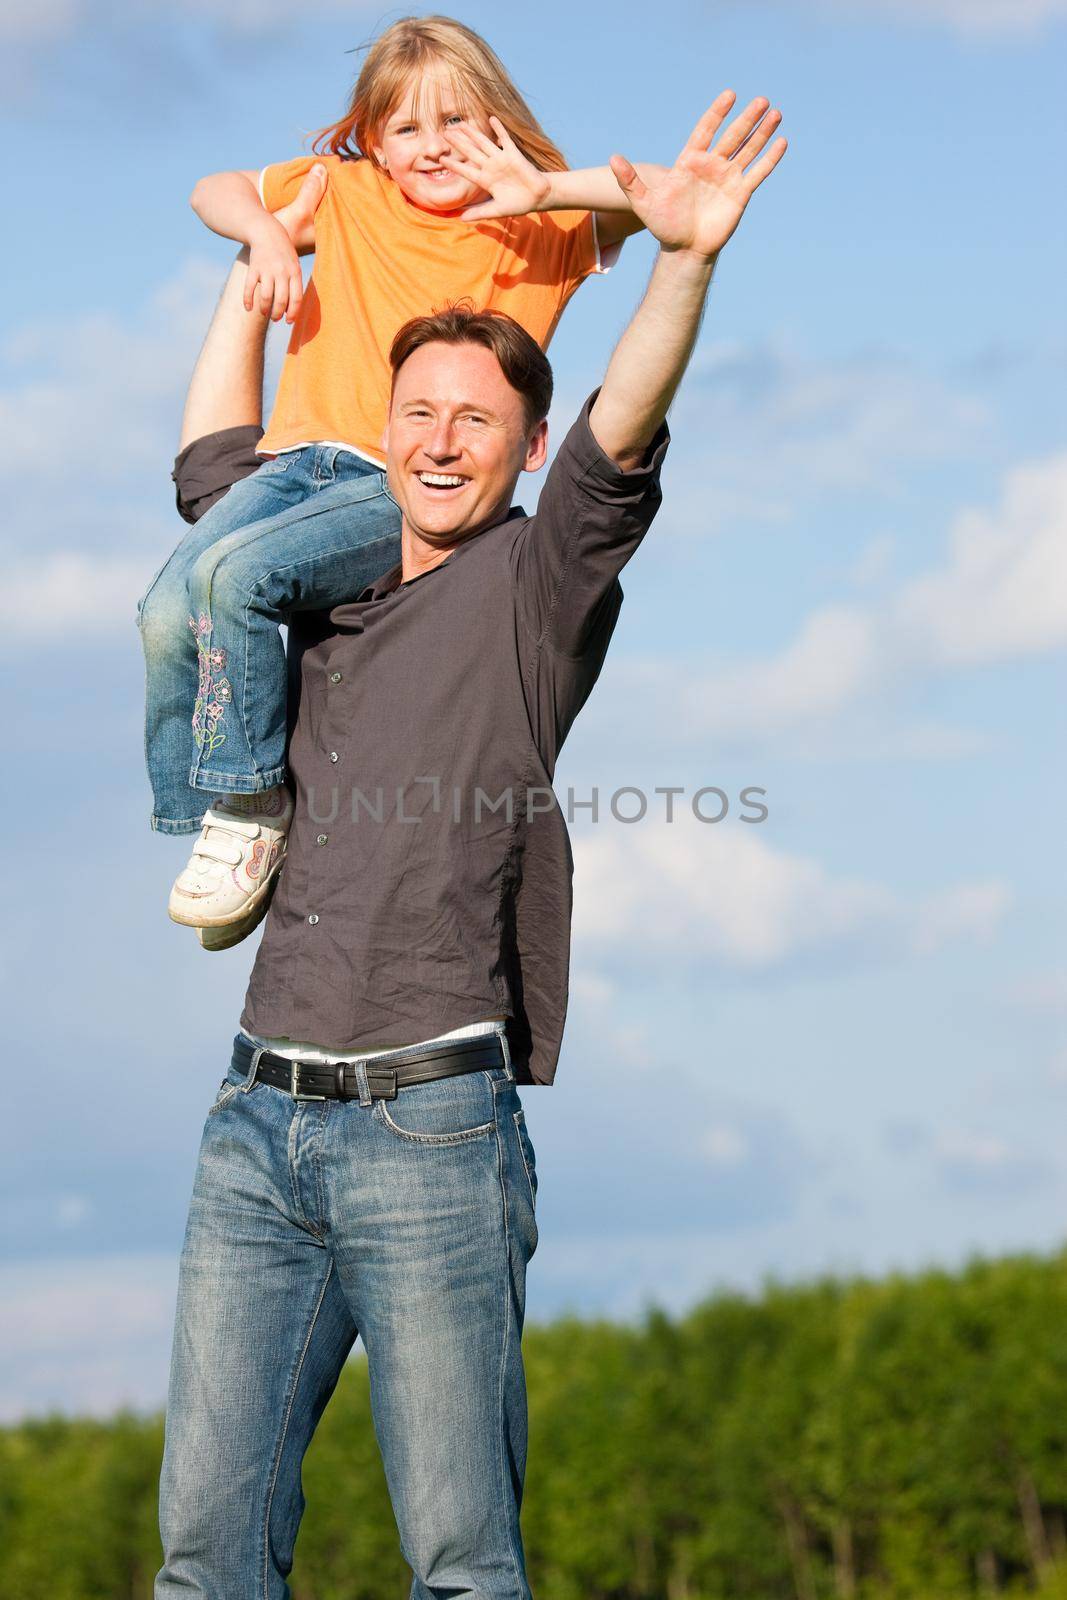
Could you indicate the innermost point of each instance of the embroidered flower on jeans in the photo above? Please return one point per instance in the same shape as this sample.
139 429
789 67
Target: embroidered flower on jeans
213 694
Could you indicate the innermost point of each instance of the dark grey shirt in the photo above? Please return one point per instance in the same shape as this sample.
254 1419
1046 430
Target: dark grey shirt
428 876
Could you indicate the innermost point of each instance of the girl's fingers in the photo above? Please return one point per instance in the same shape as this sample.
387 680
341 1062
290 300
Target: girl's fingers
251 282
506 141
485 211
461 140
296 295
461 164
484 146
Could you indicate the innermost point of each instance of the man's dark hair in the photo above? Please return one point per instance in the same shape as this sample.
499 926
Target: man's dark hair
522 361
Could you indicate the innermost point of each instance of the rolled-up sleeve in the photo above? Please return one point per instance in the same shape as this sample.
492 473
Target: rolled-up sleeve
590 519
210 465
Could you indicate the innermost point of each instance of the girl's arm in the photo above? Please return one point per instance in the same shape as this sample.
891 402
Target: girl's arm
229 204
590 189
516 187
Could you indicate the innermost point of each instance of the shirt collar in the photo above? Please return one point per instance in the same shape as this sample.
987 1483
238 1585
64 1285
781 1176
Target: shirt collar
389 581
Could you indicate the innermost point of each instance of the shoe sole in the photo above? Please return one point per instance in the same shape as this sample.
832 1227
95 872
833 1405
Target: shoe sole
193 919
226 938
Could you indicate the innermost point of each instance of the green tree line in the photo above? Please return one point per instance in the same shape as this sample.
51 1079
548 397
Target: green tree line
900 1439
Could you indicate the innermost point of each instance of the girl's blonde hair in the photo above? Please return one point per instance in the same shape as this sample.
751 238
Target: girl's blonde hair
479 81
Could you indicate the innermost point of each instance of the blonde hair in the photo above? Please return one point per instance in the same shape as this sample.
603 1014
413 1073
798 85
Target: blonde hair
479 80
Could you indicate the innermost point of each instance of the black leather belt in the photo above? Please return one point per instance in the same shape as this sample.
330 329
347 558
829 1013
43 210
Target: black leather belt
328 1080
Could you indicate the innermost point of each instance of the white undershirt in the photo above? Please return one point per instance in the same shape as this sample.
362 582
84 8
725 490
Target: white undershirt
297 1050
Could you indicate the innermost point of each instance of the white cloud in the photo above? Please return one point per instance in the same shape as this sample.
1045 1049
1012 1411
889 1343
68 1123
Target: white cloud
86 1335
723 1145
109 386
998 593
763 429
970 17
971 1160
23 24
32 24
1002 592
1041 992
688 894
69 595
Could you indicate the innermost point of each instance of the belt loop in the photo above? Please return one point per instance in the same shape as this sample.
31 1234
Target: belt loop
253 1069
360 1069
503 1037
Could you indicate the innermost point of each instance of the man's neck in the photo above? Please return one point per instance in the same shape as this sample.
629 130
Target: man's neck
418 555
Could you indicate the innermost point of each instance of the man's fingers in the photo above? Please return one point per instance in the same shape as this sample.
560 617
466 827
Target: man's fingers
758 138
628 178
711 121
766 163
741 127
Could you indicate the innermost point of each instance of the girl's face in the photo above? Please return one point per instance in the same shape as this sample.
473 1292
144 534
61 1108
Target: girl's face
413 141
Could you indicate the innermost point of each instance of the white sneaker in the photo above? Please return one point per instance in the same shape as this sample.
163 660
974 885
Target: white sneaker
234 862
234 932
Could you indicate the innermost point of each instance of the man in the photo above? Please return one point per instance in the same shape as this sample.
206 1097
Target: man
365 1167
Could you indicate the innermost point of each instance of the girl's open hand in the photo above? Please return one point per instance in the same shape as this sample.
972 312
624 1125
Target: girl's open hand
274 284
514 185
697 203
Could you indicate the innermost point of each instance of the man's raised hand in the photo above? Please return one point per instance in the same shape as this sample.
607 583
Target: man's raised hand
697 203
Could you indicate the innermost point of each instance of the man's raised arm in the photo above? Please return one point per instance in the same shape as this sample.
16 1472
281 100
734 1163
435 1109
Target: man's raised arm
692 209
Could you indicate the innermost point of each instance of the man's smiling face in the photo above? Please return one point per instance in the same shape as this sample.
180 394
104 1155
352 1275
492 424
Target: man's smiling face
456 440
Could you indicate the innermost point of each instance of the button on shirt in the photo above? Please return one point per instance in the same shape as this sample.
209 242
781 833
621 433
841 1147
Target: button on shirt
428 875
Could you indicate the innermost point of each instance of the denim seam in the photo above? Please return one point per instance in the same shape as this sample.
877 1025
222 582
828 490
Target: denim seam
223 1099
320 1185
504 1345
213 782
293 1385
293 1153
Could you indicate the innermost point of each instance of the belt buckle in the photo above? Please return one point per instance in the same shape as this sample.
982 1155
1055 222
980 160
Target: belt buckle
294 1079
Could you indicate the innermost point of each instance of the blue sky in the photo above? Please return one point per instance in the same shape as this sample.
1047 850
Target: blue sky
834 1041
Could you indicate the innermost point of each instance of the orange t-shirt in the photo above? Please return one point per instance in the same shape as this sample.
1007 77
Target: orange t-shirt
379 260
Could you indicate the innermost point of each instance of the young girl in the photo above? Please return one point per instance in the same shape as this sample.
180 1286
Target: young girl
440 186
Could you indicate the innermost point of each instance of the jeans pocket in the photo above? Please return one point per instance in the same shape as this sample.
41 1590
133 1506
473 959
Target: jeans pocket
444 1111
526 1150
229 1086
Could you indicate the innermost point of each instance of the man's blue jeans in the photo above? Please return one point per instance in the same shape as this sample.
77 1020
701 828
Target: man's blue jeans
407 1221
310 529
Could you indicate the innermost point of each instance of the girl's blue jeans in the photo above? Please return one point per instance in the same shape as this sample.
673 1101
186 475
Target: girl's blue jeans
310 529
410 1222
